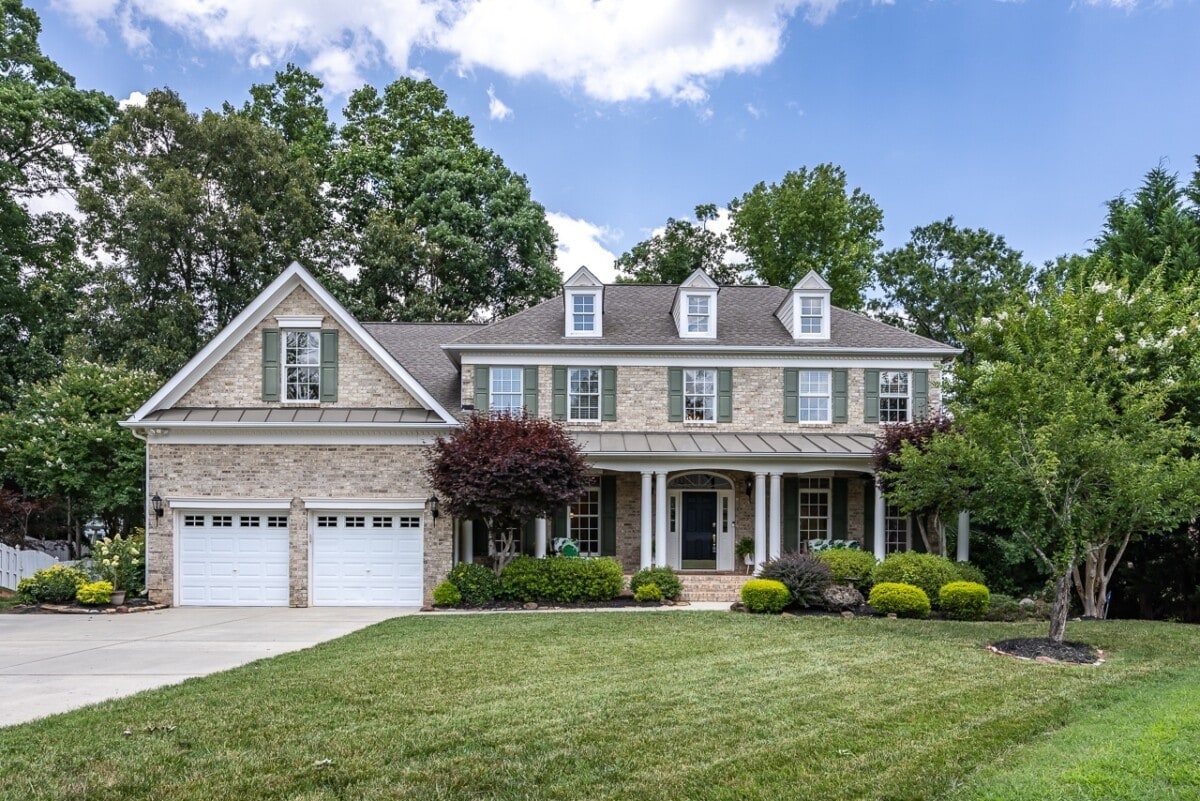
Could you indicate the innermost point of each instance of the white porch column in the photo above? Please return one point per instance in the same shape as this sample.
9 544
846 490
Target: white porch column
964 536
760 520
660 519
647 504
880 534
775 545
466 552
539 538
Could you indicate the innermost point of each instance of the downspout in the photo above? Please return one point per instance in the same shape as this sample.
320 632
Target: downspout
145 514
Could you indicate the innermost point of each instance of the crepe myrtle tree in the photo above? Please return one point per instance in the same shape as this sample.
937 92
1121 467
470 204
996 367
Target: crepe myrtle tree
505 470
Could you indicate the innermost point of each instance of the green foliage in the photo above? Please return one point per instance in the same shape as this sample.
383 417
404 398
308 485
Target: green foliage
765 595
822 544
56 584
682 248
476 584
1004 608
447 594
922 570
849 565
561 579
903 600
121 561
969 572
808 221
665 577
95 593
647 593
743 547
805 576
964 600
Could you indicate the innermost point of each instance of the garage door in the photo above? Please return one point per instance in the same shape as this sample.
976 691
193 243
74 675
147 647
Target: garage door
232 558
365 559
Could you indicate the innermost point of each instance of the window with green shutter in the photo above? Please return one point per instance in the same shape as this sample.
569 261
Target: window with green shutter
675 394
558 393
329 366
608 402
791 395
870 396
483 385
840 396
271 353
920 394
725 395
531 391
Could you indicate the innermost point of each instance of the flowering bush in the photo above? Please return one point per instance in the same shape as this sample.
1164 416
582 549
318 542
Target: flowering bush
121 561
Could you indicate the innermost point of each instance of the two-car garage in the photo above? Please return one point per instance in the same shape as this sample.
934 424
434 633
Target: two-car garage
356 557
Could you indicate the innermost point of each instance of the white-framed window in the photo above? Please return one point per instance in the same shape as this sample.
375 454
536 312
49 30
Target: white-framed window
894 400
277 521
583 394
192 521
507 390
583 522
326 521
813 401
302 365
583 313
381 522
897 530
814 506
250 521
812 313
700 395
355 521
222 521
408 522
699 314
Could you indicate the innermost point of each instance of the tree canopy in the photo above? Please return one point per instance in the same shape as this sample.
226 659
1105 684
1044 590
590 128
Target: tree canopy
681 248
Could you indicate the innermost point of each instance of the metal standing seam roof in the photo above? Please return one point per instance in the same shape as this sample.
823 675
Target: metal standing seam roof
293 415
724 444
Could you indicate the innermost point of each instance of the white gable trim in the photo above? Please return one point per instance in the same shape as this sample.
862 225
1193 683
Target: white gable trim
583 277
812 282
241 326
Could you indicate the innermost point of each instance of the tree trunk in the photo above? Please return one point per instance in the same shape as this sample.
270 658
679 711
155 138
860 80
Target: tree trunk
1062 606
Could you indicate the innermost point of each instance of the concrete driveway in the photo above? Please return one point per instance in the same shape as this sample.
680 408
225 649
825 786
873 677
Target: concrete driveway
54 663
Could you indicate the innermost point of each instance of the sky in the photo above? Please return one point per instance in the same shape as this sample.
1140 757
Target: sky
1020 117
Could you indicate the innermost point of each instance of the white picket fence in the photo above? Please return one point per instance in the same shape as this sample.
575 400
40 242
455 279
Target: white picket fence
16 565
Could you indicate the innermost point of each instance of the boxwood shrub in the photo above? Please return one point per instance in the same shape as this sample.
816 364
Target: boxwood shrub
56 584
446 594
667 580
849 565
969 572
647 593
805 577
561 579
476 584
765 595
95 593
964 600
904 600
924 570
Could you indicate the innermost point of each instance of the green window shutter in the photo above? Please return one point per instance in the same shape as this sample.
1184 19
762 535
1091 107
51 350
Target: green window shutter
725 395
870 396
838 509
608 515
791 513
869 515
270 364
483 381
329 366
608 390
558 388
675 394
791 395
920 394
526 540
560 525
531 391
840 395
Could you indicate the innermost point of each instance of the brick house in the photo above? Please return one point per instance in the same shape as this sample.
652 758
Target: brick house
287 455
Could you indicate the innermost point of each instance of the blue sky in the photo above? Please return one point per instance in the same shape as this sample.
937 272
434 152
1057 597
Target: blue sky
1020 117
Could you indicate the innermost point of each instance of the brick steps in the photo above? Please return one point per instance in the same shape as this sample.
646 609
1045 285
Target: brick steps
722 587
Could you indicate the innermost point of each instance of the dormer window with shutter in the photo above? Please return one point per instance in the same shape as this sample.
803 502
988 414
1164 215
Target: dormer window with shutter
695 309
583 294
806 313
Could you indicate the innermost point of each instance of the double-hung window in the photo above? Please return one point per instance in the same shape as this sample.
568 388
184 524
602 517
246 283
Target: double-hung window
584 522
814 509
897 530
894 396
700 395
583 313
302 365
583 394
506 390
813 396
699 314
811 313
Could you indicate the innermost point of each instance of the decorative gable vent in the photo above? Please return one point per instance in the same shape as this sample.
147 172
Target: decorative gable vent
695 309
806 311
583 298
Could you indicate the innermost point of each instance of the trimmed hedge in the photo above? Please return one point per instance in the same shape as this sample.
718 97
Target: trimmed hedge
446 594
765 595
561 579
923 570
476 584
667 580
849 565
964 600
805 577
903 600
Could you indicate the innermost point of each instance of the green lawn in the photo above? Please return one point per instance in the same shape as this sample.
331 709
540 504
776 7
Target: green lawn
8 598
607 705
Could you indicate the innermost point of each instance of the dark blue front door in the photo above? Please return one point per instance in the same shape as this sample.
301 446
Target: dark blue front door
698 534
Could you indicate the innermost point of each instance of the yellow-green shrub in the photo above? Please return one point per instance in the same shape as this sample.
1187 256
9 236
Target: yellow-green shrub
848 564
903 600
56 584
964 600
648 592
447 594
95 593
765 595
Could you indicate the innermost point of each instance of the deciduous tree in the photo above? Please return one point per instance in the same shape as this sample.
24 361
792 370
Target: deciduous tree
680 249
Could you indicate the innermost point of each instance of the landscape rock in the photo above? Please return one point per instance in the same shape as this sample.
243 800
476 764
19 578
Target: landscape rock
838 597
531 605
892 616
848 614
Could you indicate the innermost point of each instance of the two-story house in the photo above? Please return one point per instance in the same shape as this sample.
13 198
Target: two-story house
285 461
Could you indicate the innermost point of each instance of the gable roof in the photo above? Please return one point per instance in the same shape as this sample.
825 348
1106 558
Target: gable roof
233 333
639 316
418 346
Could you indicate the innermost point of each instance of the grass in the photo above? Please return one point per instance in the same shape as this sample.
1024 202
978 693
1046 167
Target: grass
599 706
8 598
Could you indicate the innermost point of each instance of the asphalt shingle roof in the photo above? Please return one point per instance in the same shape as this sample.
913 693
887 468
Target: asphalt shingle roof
418 348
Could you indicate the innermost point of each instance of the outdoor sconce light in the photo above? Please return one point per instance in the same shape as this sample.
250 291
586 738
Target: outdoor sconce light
749 486
156 505
433 506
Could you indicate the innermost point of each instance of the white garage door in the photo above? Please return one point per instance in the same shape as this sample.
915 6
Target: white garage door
365 559
233 558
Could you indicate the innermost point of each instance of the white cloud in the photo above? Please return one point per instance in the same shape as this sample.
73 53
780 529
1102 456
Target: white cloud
497 109
754 111
580 244
615 50
135 99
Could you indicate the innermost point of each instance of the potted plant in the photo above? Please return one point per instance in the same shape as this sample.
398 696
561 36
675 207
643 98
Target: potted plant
745 549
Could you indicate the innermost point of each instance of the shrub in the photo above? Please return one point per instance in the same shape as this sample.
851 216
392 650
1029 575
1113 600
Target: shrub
476 584
667 580
523 579
969 572
446 594
1004 608
963 600
806 577
923 570
904 600
765 595
121 561
848 564
56 584
561 579
95 593
647 592
838 597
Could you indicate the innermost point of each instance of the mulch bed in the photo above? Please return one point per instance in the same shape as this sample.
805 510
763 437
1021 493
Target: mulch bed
134 605
1042 649
620 602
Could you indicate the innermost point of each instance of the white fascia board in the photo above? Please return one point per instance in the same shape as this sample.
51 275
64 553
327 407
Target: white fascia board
225 341
758 463
464 352
707 358
364 504
234 504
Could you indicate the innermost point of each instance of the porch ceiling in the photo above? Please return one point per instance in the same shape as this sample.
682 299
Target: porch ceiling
724 444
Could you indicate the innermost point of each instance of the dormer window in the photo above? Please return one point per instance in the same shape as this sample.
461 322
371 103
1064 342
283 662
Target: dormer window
695 309
811 315
699 318
583 313
806 312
